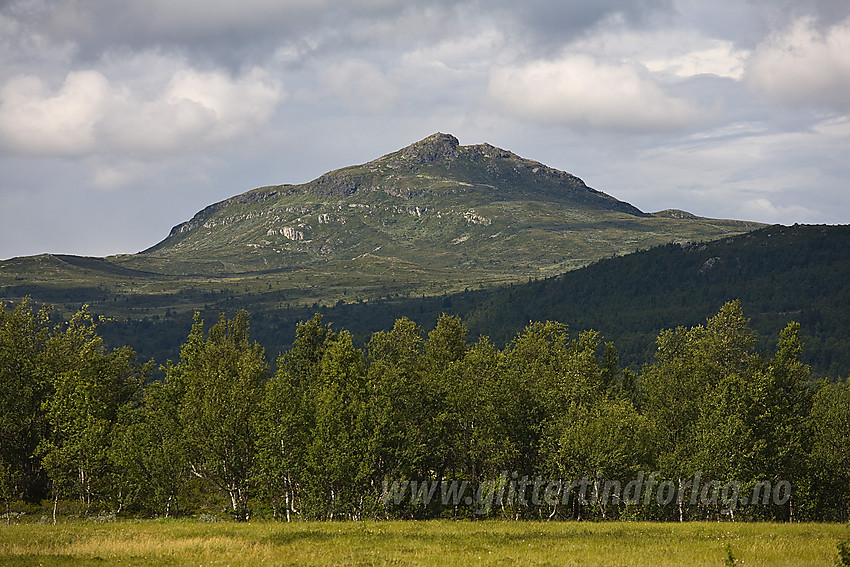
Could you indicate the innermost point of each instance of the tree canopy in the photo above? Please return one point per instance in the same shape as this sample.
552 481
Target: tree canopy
422 424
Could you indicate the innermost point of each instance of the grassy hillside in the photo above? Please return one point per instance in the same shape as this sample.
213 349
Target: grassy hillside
468 213
429 219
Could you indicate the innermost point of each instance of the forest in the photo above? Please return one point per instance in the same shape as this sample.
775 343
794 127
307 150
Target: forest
331 431
780 274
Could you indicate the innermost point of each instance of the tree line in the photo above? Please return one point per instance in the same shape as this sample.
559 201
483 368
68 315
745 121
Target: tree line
629 299
328 431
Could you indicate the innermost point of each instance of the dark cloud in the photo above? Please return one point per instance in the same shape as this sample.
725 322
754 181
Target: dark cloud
112 106
557 22
247 31
824 12
218 30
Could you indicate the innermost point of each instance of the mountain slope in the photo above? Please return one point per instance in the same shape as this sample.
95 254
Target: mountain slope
434 217
432 205
780 274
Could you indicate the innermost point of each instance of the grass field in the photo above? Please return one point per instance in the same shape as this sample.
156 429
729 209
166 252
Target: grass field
420 543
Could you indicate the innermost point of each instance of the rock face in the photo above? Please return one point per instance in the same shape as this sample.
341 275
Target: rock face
433 205
256 196
441 148
336 185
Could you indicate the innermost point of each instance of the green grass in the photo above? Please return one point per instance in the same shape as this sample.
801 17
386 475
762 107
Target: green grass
420 543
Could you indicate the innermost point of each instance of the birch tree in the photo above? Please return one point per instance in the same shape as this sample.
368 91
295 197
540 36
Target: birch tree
222 377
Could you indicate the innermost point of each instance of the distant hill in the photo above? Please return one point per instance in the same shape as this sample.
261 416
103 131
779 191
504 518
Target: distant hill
436 207
432 218
780 274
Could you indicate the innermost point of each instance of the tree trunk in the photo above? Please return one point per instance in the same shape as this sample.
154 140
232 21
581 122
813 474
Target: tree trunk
84 490
55 504
288 518
239 499
680 498
555 506
234 504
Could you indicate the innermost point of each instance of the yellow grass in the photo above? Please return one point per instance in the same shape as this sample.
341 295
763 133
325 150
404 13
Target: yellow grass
420 543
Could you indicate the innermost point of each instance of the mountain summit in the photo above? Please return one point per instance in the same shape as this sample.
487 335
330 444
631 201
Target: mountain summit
436 147
433 210
431 218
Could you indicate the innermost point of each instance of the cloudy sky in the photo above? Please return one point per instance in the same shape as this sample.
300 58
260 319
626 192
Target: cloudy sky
119 120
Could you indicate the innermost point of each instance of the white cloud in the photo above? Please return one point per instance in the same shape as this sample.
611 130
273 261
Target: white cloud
805 65
360 84
836 130
676 51
473 50
721 59
35 121
747 171
195 110
89 113
578 90
768 212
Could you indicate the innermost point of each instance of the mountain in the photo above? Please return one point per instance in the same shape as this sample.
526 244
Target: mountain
434 205
431 218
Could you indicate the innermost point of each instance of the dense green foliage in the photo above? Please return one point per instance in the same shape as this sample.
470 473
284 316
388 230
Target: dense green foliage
780 274
61 395
418 425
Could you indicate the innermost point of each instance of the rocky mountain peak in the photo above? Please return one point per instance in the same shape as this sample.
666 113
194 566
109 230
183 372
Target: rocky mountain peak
436 147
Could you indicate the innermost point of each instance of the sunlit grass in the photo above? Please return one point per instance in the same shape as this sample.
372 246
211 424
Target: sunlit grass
420 543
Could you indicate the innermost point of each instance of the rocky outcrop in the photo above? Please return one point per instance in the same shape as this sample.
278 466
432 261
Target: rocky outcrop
474 218
286 232
336 184
437 147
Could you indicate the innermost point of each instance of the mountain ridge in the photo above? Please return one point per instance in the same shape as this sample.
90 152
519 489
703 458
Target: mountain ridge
434 193
439 148
433 217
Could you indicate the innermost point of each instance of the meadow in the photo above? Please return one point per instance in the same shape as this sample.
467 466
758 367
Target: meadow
438 542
